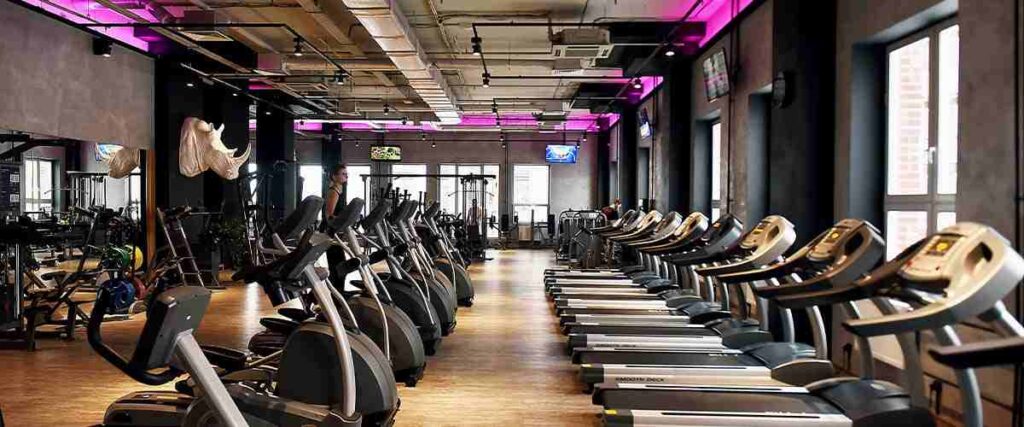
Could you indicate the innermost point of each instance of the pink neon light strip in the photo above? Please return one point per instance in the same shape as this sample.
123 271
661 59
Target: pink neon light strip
90 12
717 14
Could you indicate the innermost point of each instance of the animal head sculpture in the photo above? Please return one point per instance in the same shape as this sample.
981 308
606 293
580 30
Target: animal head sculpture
123 162
202 149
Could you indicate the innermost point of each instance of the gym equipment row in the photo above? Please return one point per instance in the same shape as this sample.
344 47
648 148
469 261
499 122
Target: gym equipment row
696 323
333 356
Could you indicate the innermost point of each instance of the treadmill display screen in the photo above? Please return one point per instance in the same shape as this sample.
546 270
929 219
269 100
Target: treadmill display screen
834 234
942 245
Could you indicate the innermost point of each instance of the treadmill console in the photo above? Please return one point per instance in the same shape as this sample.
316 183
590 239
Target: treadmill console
694 221
967 269
772 234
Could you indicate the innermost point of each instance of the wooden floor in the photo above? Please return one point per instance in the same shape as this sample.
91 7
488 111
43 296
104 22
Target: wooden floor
504 365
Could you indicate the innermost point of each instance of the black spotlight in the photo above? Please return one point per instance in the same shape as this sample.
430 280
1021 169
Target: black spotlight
102 47
497 122
670 52
339 78
387 109
637 84
487 79
477 50
423 136
494 108
298 47
405 121
433 145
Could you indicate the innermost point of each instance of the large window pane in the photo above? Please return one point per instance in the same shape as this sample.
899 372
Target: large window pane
944 219
902 229
716 162
949 123
417 187
530 192
908 119
448 190
493 196
356 186
312 180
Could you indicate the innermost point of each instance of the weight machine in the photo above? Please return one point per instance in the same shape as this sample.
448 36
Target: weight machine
471 186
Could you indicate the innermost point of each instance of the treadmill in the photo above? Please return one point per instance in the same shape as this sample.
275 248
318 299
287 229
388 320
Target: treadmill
626 221
761 246
960 273
669 237
652 223
838 256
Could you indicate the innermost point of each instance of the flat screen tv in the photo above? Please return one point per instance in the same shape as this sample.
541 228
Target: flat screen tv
561 153
106 151
645 123
386 153
716 76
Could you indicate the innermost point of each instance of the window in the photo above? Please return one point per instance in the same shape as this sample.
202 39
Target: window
38 180
134 195
356 186
922 136
312 180
530 193
251 168
417 187
450 190
493 196
716 170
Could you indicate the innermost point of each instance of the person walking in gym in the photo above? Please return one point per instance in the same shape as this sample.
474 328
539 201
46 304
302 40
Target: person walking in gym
332 207
473 217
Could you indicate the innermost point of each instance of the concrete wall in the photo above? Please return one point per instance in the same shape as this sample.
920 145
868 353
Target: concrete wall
753 72
572 186
54 85
987 153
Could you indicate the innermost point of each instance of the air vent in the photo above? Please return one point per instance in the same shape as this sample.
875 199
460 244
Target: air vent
581 43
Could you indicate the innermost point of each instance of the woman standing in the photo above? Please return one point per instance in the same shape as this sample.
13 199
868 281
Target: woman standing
333 206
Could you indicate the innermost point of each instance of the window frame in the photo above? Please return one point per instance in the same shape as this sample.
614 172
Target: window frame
547 205
932 202
54 173
715 202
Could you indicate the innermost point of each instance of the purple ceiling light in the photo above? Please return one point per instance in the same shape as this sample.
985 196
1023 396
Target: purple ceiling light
91 12
717 14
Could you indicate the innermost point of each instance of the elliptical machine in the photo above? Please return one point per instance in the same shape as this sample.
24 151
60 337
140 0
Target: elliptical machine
446 258
167 343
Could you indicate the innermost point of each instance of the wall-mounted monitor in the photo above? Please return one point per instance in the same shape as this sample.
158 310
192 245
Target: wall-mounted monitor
644 121
386 153
106 151
561 153
716 76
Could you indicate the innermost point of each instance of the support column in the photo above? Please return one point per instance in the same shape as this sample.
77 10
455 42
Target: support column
275 142
221 106
627 158
175 101
677 92
803 133
603 169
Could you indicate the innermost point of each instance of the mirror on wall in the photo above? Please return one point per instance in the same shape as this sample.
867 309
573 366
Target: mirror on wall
45 177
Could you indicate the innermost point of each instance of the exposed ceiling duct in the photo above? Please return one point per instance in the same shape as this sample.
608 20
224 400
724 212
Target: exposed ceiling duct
389 28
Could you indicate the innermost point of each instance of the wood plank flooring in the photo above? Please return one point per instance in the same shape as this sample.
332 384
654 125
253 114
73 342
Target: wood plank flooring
505 364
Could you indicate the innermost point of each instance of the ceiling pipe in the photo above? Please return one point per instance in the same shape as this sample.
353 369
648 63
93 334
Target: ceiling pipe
329 20
389 28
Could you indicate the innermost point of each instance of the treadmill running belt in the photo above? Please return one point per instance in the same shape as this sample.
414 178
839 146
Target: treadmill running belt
655 398
655 357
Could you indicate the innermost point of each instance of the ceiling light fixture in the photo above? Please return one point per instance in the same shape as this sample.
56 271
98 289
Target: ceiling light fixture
339 78
405 121
423 136
102 47
637 84
387 109
190 84
433 145
477 49
298 47
487 79
497 122
235 94
670 52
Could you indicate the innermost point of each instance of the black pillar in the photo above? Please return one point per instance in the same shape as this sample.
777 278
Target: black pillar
175 101
803 132
224 107
603 168
677 92
275 142
627 158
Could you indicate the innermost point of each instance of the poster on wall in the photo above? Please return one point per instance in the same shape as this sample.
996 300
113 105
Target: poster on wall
10 188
